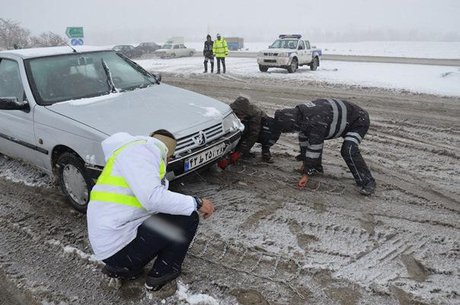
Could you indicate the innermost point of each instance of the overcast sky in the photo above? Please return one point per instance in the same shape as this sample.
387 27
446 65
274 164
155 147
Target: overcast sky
115 21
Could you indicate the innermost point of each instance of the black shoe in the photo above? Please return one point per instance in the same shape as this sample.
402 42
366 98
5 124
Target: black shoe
155 283
249 155
121 272
267 156
205 71
368 189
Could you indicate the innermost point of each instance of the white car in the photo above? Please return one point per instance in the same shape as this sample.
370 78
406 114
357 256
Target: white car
58 104
289 52
171 50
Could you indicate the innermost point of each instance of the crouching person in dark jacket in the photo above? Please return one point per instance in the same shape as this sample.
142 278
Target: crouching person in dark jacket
259 127
325 119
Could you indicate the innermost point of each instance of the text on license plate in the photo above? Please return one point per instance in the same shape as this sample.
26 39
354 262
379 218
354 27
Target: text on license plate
204 157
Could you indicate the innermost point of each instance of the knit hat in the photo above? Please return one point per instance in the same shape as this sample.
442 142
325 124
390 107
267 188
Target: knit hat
167 139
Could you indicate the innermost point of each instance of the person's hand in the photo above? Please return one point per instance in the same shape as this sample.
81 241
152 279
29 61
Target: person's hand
234 156
207 208
303 181
222 163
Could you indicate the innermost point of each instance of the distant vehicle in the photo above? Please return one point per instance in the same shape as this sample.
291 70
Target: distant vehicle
147 47
57 106
289 52
174 47
127 50
235 43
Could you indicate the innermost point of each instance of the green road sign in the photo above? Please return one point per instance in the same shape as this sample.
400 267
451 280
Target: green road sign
74 32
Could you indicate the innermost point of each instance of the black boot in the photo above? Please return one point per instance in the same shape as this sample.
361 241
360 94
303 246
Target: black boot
266 155
205 67
212 66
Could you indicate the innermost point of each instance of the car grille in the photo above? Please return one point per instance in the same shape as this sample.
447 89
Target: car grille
271 54
270 60
193 140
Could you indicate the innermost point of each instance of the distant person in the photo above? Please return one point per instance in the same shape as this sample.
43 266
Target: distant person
324 119
208 55
220 50
134 218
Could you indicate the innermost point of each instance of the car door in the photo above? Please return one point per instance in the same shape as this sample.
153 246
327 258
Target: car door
303 54
17 138
308 51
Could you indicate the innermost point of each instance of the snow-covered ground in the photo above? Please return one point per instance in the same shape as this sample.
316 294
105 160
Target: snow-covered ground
417 49
436 80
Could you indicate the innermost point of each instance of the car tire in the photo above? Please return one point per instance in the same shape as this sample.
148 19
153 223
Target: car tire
294 65
191 53
74 180
263 68
173 54
314 65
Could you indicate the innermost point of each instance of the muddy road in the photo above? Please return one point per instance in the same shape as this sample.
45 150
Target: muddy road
269 243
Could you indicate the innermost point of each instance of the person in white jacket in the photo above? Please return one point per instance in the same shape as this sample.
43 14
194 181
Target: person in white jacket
134 218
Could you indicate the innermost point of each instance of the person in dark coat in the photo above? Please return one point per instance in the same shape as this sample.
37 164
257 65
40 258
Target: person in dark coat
324 119
259 127
208 55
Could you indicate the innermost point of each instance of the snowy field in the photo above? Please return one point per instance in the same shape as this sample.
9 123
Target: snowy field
414 78
416 49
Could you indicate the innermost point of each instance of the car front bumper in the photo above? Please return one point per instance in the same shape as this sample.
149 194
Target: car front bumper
273 61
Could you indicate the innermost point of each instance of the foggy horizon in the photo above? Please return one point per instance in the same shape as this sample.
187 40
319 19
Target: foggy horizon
106 22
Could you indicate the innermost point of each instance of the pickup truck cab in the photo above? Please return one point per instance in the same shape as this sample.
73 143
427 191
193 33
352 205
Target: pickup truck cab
58 104
289 52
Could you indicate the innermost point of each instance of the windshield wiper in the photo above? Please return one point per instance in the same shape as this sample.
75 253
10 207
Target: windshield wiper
112 87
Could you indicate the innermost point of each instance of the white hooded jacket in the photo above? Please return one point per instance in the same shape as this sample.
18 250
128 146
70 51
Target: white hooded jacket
112 226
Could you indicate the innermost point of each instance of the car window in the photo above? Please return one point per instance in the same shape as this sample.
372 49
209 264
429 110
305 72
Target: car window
301 45
176 46
167 46
75 76
307 43
284 44
10 80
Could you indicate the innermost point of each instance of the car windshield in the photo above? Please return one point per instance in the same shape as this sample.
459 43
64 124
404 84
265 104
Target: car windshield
167 46
80 75
284 44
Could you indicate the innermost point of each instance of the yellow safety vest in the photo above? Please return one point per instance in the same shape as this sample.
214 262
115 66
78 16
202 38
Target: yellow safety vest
115 189
220 48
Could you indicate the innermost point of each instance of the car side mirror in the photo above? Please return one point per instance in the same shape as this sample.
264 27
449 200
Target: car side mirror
12 103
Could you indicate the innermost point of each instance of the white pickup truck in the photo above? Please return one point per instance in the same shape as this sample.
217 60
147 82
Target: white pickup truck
289 52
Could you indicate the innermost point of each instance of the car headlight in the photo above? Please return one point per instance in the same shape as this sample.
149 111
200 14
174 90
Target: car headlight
283 54
232 123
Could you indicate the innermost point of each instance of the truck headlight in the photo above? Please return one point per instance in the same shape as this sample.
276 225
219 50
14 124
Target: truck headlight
232 123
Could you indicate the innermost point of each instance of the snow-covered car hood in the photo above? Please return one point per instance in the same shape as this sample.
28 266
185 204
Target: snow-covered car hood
278 50
142 111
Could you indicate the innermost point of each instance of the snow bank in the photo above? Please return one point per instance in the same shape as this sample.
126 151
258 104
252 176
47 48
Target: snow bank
437 80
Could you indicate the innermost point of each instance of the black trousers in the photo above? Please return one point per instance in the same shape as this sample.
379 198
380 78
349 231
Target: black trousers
211 60
220 59
150 243
269 133
350 149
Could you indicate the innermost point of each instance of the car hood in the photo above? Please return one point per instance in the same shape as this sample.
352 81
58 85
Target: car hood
142 111
277 50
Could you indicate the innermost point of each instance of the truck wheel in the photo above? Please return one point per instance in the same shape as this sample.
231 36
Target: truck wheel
74 181
294 65
263 68
314 65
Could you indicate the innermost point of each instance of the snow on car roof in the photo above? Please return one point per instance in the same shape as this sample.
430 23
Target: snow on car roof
41 52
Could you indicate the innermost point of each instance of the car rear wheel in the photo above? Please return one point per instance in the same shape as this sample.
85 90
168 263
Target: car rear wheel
314 65
74 180
294 65
263 68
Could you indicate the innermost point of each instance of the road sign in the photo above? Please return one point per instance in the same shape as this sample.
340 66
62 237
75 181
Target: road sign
76 41
74 32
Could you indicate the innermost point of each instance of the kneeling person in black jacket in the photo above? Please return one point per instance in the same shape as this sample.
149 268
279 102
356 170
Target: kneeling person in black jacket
325 119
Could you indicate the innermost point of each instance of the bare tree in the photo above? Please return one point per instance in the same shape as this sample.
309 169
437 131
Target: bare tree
13 35
49 39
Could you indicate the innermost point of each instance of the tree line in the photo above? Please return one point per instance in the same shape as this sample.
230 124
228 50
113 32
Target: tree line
14 36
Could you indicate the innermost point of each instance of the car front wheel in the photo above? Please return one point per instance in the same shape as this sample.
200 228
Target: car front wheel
74 180
294 65
263 68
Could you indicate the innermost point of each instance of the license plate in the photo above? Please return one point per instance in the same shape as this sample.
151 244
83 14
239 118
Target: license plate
204 157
